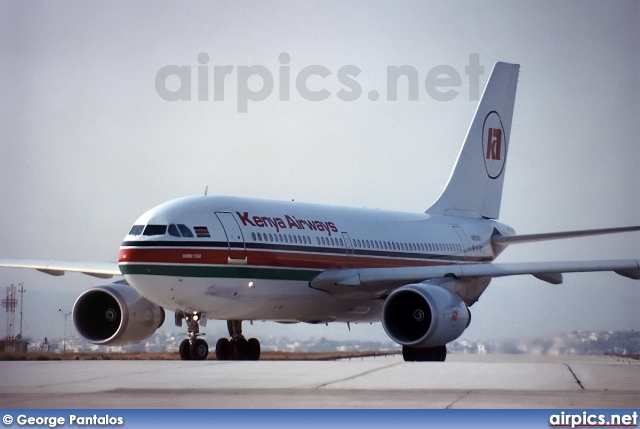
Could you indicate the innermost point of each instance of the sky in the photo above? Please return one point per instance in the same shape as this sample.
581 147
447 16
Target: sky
90 139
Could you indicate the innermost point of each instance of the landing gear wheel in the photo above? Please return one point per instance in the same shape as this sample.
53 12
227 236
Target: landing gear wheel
439 353
223 349
239 349
253 349
409 354
199 349
185 350
427 354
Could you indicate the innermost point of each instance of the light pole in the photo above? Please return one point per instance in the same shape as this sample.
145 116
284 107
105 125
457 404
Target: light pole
22 290
64 341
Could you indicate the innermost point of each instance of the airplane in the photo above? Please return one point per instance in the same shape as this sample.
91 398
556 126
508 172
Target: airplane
244 259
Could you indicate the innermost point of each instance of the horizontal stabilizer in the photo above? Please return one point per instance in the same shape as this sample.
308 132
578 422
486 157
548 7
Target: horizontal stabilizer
531 238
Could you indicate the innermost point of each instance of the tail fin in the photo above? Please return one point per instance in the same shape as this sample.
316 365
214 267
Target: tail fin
475 186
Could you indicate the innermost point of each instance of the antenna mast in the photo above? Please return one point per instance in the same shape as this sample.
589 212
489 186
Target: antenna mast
22 290
9 304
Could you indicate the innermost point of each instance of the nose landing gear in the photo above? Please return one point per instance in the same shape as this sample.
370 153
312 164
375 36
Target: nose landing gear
193 348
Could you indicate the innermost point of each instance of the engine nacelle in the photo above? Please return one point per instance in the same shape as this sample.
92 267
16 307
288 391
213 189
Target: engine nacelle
424 315
116 314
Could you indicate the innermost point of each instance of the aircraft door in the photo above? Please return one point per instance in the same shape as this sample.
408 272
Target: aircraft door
348 246
235 239
464 240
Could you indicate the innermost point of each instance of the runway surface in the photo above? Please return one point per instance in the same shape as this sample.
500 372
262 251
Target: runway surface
463 381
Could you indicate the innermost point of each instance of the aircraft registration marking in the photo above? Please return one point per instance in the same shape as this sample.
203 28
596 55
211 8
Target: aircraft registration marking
191 256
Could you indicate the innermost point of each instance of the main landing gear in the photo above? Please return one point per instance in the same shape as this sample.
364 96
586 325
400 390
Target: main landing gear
237 347
428 354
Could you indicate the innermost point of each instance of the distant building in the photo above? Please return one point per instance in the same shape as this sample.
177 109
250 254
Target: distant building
14 345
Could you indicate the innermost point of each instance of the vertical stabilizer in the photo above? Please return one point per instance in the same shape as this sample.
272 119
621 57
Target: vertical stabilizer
475 186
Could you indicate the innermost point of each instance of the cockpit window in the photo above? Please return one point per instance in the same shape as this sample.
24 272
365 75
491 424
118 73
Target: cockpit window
155 230
136 230
173 230
185 230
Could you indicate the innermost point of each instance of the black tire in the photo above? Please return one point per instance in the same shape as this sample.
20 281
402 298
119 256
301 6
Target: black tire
253 349
223 349
199 349
240 349
409 354
427 354
185 350
439 354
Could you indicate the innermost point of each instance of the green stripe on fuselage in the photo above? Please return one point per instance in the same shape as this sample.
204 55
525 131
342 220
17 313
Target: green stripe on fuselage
230 271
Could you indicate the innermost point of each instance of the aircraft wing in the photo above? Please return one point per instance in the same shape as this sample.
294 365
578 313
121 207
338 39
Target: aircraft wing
375 282
103 270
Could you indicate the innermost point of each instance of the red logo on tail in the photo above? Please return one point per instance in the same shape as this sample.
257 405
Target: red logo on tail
494 143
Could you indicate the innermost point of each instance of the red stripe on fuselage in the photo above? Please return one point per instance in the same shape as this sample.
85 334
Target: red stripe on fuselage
258 257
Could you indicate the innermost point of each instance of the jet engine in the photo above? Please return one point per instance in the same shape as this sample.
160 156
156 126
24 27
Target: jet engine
116 314
424 315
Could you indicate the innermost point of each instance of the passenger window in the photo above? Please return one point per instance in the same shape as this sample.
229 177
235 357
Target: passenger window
155 230
253 236
136 230
185 230
173 230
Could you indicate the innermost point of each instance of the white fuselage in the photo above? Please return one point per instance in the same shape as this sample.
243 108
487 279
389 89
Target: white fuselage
250 259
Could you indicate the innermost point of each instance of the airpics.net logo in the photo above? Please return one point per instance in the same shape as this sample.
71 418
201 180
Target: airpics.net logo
255 83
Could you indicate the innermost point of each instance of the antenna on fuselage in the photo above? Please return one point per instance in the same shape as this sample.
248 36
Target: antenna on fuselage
206 189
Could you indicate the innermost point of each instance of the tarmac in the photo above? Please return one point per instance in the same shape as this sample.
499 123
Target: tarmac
463 381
